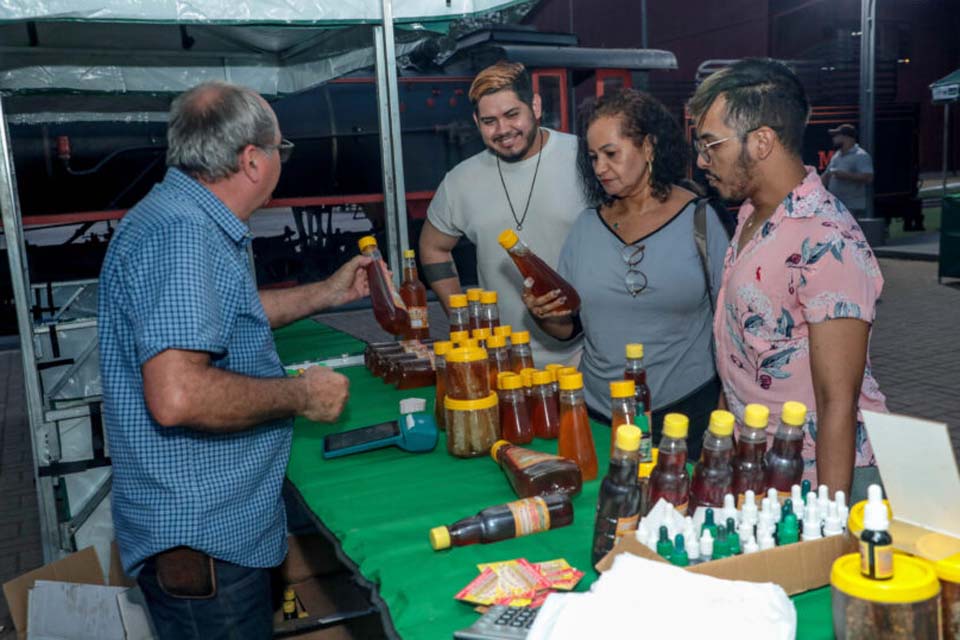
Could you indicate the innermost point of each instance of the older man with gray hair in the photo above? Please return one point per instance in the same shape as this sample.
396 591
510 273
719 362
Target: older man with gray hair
197 408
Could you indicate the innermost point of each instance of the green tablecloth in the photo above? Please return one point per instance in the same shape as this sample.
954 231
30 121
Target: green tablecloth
381 505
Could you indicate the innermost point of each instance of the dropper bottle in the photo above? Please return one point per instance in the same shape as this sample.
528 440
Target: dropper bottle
876 545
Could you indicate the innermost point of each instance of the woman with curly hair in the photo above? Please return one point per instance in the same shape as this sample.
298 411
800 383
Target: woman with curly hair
634 260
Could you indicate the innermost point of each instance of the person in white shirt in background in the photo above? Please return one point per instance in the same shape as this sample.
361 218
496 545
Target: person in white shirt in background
526 180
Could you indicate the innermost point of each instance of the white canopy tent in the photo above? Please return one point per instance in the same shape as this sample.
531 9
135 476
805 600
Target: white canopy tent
120 49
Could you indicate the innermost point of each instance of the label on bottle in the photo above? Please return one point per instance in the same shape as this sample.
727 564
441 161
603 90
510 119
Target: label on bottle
530 515
523 458
626 525
882 560
418 317
646 448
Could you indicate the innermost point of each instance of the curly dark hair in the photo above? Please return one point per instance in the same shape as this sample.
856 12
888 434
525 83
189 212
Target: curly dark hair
641 115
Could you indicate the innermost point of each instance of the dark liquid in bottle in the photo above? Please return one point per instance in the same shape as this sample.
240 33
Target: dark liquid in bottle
712 478
618 506
784 464
414 295
576 439
748 468
545 279
532 473
545 416
670 480
500 522
639 377
515 424
390 315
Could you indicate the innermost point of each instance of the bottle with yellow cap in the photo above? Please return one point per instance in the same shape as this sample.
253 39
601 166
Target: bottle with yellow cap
458 313
669 479
713 475
544 406
414 295
618 505
748 464
534 473
467 373
440 350
473 306
489 311
784 459
576 436
481 335
505 521
506 331
388 307
499 358
515 424
527 376
635 371
543 279
458 338
623 407
521 355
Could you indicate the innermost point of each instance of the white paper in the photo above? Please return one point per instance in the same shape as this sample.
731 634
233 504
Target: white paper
919 471
70 611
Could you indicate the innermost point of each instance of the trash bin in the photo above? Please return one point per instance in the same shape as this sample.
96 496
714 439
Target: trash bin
950 238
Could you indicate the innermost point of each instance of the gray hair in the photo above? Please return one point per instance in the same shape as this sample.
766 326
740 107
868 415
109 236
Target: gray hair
759 92
211 123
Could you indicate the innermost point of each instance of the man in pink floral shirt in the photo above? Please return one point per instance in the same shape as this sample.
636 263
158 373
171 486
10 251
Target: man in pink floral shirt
800 282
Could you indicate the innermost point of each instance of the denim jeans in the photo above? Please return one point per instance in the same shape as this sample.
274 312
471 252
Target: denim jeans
240 609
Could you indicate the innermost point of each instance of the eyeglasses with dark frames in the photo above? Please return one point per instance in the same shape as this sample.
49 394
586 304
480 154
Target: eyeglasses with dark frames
635 280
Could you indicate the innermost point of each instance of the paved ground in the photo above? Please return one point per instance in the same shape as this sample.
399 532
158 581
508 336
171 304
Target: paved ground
915 353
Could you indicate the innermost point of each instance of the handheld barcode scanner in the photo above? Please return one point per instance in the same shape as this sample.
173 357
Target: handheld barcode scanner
413 432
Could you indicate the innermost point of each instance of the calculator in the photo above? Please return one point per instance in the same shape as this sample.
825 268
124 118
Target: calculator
500 623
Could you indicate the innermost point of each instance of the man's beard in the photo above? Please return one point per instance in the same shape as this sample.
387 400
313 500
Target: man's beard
738 187
518 156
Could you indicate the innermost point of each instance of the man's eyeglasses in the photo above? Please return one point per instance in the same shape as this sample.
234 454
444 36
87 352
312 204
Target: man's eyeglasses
635 279
703 148
285 149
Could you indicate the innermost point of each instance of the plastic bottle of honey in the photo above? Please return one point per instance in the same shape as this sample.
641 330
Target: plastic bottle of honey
481 335
489 311
414 295
669 479
505 521
618 505
635 371
545 279
748 464
388 307
623 407
545 406
504 330
515 424
533 473
713 475
784 459
473 307
576 437
440 350
459 313
521 355
499 358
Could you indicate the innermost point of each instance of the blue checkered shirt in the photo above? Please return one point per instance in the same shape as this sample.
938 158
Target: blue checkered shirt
177 276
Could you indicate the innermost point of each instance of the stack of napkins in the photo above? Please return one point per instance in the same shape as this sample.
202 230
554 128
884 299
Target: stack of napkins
658 600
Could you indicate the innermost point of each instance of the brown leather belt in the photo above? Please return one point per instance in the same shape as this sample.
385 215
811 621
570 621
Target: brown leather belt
186 573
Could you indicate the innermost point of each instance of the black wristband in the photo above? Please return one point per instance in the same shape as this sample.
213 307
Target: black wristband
439 271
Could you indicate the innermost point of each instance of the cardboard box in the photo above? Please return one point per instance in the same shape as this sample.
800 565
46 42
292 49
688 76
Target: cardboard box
921 480
795 567
77 569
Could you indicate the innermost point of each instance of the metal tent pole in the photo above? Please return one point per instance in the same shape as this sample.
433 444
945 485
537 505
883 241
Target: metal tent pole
946 142
391 151
20 279
868 20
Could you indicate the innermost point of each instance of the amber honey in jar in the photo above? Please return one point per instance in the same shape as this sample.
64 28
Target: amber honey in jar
472 425
468 374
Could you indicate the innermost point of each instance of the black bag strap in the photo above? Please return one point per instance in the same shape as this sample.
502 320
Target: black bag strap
700 238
